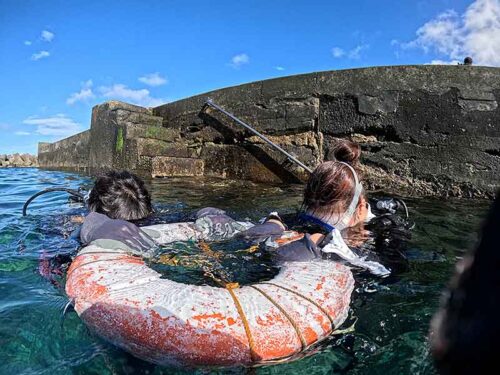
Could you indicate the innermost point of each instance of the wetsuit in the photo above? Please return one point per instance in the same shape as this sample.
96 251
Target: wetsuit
217 225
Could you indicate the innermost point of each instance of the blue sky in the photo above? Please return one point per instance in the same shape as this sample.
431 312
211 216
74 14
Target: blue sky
60 58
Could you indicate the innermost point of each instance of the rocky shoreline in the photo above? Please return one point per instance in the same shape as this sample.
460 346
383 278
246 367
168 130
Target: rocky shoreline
18 160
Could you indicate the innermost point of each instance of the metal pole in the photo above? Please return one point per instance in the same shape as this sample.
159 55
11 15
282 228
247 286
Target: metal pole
210 103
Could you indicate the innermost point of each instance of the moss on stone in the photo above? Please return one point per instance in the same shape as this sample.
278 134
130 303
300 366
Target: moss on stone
119 140
153 132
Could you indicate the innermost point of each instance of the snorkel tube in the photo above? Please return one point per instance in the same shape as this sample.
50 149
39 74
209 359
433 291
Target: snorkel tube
75 195
358 188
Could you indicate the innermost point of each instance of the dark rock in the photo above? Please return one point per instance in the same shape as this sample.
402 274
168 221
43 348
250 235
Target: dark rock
385 103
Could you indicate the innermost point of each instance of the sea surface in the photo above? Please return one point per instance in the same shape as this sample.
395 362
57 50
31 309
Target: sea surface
392 314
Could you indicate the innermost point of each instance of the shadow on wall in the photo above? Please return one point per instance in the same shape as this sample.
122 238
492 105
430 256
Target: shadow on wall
232 136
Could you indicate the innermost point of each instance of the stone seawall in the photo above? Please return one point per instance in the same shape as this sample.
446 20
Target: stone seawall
424 130
71 153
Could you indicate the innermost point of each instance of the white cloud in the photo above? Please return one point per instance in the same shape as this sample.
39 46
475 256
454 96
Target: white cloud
475 33
279 68
443 62
153 79
337 52
238 60
353 54
140 97
47 36
40 55
83 95
22 133
57 125
27 42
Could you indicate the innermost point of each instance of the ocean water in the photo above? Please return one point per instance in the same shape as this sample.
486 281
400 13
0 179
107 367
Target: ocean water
392 314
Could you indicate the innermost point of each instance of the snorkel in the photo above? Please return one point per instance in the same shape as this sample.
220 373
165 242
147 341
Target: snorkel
77 196
345 220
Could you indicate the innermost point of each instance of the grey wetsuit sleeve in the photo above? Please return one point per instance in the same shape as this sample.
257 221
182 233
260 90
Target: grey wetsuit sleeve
93 221
100 227
219 226
208 211
301 250
262 230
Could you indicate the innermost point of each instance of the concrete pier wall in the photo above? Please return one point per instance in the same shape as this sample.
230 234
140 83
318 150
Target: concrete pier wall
71 153
424 130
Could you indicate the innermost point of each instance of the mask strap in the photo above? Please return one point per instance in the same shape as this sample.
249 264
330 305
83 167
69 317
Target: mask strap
344 221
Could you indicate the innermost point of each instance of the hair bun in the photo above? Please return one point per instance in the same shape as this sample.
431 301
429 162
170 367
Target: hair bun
346 151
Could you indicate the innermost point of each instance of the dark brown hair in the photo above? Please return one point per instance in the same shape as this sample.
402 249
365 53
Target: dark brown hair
120 195
331 185
346 151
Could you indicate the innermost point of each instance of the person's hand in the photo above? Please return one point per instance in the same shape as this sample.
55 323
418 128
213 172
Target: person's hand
317 238
77 219
361 212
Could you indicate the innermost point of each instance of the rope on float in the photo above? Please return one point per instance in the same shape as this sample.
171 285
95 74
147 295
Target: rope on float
283 311
251 343
308 300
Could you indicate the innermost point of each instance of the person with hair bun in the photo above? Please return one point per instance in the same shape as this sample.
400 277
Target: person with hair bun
333 196
333 201
334 205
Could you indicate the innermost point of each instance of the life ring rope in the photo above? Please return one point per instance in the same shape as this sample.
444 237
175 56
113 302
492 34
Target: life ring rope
251 343
307 299
285 313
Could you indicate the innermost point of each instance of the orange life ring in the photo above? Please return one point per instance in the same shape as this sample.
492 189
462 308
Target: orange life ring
162 321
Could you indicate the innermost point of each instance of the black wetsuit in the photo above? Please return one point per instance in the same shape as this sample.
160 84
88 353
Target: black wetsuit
389 235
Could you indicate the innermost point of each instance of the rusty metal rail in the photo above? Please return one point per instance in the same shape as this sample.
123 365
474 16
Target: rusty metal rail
292 158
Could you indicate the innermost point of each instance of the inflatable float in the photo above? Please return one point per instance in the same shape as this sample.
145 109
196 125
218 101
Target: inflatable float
129 304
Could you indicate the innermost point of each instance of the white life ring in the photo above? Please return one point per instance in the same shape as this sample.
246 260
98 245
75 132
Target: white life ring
162 321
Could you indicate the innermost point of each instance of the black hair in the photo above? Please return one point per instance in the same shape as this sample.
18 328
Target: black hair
120 195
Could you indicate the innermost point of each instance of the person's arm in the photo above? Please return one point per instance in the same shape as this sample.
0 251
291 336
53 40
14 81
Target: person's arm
209 224
269 228
300 250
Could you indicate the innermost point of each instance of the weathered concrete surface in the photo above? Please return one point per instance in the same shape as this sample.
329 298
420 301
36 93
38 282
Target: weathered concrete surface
424 130
165 166
70 153
18 160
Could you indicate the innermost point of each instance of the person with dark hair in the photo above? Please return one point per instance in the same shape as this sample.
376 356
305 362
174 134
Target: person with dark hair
117 199
120 195
333 195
